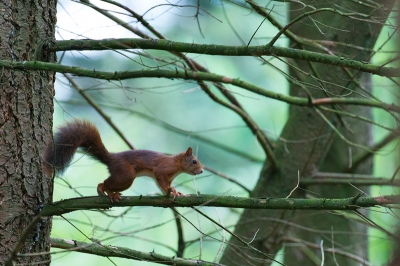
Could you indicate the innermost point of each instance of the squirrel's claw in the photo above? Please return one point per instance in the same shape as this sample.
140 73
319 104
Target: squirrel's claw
114 196
174 193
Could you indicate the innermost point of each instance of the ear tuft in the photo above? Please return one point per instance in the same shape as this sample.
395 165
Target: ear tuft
189 152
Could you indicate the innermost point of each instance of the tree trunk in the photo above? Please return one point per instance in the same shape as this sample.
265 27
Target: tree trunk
313 146
26 124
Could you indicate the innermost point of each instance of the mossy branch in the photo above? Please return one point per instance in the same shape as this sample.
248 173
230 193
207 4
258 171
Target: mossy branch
89 203
346 180
192 75
96 248
223 50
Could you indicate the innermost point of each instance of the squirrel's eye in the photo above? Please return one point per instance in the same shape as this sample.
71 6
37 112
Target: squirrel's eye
194 161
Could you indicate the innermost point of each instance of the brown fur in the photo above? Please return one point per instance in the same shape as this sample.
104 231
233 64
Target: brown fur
123 167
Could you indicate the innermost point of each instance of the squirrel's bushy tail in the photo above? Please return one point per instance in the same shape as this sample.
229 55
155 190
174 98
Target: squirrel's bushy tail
77 133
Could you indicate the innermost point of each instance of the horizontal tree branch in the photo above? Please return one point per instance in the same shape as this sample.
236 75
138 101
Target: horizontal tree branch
326 178
192 75
89 203
122 252
362 181
224 50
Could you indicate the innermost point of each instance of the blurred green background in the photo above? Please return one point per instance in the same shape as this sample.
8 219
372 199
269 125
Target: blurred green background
170 115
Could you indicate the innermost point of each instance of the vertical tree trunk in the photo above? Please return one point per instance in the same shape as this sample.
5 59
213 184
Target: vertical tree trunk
310 149
25 125
339 158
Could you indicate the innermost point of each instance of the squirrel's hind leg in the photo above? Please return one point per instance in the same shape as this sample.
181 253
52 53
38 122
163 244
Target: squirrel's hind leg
114 196
121 178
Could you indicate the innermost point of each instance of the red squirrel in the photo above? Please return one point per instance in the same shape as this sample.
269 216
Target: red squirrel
123 167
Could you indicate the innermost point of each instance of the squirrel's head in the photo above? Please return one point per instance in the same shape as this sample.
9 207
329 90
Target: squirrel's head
191 164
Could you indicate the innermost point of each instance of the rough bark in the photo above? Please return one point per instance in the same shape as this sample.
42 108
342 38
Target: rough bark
25 124
313 147
355 241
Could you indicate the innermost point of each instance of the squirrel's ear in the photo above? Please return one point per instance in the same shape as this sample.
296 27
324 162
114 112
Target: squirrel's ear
189 152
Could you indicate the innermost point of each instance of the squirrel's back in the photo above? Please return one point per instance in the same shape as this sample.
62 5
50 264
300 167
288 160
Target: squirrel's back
76 133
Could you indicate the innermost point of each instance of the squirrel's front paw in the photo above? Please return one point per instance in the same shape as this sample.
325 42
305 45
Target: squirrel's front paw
174 193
